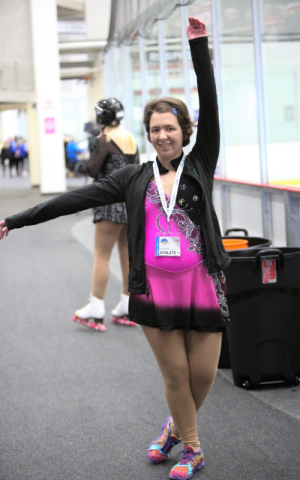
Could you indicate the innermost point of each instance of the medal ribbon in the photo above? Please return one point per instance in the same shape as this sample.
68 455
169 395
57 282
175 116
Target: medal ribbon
161 192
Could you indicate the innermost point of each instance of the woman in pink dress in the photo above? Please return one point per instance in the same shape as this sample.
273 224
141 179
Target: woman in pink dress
176 256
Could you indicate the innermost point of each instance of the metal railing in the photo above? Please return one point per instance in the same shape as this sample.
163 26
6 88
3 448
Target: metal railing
16 76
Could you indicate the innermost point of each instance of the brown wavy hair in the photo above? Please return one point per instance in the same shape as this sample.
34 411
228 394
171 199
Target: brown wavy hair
166 105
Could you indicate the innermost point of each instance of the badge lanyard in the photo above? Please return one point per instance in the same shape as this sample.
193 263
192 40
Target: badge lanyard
161 192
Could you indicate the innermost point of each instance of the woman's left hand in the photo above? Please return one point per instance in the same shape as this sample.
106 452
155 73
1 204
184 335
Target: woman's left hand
196 29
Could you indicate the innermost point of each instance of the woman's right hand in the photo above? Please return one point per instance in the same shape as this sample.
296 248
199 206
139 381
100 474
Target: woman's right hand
3 229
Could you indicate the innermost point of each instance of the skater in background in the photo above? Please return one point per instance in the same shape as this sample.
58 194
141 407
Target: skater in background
114 148
176 281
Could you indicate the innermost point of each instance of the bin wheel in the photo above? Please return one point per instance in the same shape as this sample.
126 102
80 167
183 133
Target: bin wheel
246 384
297 381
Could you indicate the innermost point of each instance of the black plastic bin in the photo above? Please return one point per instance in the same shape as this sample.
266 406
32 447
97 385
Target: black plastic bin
253 242
224 360
263 293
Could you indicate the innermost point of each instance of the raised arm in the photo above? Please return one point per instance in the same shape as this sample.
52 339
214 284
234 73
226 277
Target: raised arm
207 145
107 191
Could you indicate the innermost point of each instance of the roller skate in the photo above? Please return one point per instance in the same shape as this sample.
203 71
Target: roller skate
159 450
190 463
120 313
92 315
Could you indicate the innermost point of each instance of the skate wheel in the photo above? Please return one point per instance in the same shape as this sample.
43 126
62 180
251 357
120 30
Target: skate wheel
123 321
87 323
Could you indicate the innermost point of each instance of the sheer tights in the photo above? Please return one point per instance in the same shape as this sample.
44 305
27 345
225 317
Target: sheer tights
188 362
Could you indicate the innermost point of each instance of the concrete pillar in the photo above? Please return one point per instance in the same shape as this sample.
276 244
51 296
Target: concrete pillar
34 164
47 83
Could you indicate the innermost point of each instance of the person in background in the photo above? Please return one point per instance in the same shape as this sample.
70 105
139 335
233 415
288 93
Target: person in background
21 154
113 149
13 160
72 153
176 281
5 156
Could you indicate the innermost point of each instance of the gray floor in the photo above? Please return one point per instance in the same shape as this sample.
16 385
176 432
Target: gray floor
79 404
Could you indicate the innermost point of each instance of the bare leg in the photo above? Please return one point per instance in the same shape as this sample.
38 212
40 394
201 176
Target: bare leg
124 260
169 349
106 235
203 351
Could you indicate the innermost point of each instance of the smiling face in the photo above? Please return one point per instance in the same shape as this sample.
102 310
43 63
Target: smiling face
166 135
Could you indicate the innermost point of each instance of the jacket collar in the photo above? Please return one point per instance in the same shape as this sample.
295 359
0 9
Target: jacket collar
175 164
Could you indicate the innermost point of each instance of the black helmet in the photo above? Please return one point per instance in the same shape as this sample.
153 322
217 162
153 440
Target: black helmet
109 111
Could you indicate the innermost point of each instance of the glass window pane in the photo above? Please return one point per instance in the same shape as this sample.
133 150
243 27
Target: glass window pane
153 75
281 68
116 71
238 107
239 91
152 64
137 107
173 56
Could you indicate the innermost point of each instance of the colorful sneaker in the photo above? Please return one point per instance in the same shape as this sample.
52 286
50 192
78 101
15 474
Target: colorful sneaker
159 450
189 464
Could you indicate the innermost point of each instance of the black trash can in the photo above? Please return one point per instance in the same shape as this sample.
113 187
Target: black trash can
253 242
263 293
224 360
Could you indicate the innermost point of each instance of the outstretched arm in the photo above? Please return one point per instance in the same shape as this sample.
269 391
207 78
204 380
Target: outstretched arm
206 148
107 191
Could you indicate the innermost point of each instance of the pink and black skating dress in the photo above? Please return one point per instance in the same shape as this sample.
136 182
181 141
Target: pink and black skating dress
182 294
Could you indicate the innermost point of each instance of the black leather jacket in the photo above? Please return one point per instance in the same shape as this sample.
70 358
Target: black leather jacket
129 184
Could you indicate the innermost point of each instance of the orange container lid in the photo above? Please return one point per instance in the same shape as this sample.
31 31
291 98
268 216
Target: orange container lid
234 243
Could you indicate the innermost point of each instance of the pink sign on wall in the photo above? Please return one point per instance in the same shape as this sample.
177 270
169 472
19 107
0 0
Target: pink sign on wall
50 125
